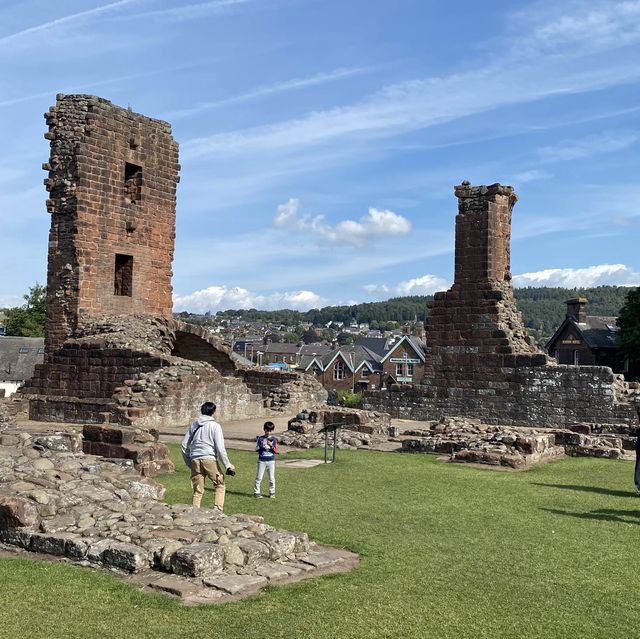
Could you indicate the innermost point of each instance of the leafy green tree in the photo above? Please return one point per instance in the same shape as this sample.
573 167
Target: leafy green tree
28 320
629 324
311 337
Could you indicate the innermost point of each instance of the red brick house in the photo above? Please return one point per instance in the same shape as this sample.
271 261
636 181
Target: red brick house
370 364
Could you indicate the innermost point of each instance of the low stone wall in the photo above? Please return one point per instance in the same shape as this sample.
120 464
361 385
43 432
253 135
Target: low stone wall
56 500
519 447
148 371
89 369
362 421
345 439
472 442
283 390
553 396
149 456
174 394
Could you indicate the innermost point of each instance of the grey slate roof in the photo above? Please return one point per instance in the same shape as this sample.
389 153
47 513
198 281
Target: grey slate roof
318 349
382 345
282 348
600 332
19 356
597 331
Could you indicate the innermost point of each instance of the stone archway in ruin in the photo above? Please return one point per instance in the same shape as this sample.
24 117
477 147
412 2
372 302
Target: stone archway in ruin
194 343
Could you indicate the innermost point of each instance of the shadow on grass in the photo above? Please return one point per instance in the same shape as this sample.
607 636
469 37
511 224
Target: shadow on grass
603 514
591 489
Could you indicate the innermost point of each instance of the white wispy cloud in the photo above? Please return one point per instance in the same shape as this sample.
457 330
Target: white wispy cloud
192 11
607 142
531 175
216 298
577 24
599 275
66 20
549 70
271 89
120 79
376 223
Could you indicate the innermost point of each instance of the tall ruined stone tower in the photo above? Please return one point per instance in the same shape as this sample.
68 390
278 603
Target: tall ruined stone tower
475 326
112 183
480 361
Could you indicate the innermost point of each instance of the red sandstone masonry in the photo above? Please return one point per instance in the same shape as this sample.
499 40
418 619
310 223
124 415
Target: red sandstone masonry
112 183
113 351
480 361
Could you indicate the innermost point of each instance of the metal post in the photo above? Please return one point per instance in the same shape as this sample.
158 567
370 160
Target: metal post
335 437
326 445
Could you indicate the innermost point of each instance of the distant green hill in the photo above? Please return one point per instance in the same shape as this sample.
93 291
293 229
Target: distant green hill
543 309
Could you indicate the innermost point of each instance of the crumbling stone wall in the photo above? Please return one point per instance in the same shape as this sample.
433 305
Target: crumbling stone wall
124 370
480 361
113 353
112 184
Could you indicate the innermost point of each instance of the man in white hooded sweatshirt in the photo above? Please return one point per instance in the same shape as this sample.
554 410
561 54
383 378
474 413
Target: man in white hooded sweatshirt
204 452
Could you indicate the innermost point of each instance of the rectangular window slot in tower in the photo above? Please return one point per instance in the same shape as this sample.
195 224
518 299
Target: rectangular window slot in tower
123 275
132 182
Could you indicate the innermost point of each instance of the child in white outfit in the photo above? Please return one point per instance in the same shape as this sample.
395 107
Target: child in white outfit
267 447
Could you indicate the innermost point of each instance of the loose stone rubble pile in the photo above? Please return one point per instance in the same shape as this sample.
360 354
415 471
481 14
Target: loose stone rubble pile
363 421
345 439
470 441
355 428
56 500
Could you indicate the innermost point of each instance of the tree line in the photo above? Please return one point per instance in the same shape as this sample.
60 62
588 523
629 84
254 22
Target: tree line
543 309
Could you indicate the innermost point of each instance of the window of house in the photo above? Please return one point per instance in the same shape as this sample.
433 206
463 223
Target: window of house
365 372
556 354
399 370
575 358
123 275
338 371
132 182
316 370
409 370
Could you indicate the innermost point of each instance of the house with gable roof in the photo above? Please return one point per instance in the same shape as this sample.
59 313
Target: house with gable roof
588 340
369 364
18 359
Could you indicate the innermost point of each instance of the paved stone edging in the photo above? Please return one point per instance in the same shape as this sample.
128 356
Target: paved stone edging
55 500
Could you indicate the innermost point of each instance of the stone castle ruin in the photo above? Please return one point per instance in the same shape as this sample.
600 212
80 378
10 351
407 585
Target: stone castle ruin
113 352
480 361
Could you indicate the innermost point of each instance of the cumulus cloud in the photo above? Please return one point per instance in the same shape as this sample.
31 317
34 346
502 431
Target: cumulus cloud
425 285
375 289
600 275
218 298
376 223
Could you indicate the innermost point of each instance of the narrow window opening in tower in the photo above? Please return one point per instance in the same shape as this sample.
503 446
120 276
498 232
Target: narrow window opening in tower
123 275
132 182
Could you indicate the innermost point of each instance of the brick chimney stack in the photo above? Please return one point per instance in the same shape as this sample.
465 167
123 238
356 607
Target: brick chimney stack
576 308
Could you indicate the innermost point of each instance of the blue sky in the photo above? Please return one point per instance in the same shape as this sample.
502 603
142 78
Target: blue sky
320 140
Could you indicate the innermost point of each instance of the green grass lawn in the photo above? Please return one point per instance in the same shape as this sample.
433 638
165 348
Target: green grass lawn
447 551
